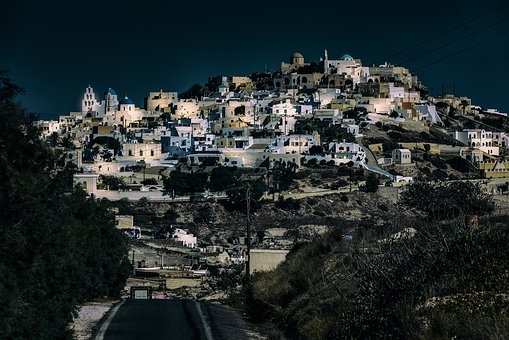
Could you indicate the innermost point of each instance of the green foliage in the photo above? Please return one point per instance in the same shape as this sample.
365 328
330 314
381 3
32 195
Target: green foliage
340 183
420 285
237 195
109 182
301 174
60 248
438 162
288 204
460 164
284 173
443 200
372 183
316 150
107 142
185 182
222 177
389 145
149 181
336 133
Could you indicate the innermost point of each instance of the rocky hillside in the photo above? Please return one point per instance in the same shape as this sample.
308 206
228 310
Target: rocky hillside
213 222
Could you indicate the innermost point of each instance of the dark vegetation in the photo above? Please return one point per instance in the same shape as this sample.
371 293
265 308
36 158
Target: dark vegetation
59 248
432 276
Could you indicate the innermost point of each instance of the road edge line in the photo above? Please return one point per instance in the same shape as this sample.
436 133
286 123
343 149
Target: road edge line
106 323
206 327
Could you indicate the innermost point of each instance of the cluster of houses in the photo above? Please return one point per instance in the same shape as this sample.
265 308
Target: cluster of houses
252 121
246 121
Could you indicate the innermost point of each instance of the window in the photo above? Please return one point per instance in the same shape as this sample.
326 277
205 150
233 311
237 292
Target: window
141 152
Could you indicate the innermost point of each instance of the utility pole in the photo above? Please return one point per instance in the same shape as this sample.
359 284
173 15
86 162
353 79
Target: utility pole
248 241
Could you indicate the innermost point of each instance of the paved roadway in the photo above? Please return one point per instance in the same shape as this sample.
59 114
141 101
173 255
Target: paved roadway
176 320
156 319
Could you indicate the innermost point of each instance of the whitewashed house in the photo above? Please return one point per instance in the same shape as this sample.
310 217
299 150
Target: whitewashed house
401 156
188 240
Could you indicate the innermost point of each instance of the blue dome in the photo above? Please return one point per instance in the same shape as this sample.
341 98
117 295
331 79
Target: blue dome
346 56
126 101
110 91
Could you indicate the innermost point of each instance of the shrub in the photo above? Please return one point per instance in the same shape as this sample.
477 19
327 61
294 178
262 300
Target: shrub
438 162
341 183
288 204
301 174
459 164
327 174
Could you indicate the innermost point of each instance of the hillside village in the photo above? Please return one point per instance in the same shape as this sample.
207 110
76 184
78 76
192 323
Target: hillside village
334 116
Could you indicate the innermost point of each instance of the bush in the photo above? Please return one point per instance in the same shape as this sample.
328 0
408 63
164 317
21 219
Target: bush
459 164
327 174
341 183
439 163
301 174
288 204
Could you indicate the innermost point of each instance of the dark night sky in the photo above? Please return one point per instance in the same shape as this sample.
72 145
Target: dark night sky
55 50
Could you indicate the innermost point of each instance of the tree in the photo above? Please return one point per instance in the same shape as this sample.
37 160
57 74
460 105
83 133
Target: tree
372 183
316 150
106 142
182 183
237 194
109 182
60 248
447 199
223 177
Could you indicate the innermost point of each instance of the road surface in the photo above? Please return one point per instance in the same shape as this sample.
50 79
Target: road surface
172 319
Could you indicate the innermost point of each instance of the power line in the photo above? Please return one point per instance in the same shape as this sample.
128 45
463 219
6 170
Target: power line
441 33
462 50
452 41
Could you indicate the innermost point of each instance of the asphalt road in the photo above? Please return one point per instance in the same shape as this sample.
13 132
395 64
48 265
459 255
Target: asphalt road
156 319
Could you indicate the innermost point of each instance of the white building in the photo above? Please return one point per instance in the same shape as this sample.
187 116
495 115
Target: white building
187 108
292 144
48 127
428 112
401 156
285 108
90 105
477 139
188 240
346 65
159 101
344 152
87 181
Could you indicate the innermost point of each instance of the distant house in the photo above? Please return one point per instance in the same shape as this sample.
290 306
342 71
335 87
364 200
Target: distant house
428 112
87 181
494 169
401 156
188 240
